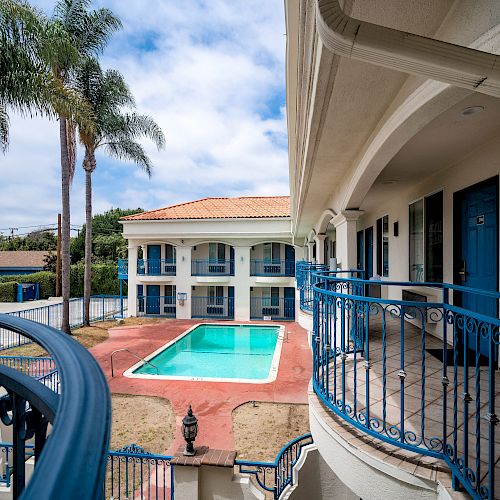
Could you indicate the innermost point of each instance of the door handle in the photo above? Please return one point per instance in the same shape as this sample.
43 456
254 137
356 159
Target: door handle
463 271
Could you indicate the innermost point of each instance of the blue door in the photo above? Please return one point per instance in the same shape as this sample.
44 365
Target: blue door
289 260
289 297
154 260
140 297
478 253
368 262
152 299
230 301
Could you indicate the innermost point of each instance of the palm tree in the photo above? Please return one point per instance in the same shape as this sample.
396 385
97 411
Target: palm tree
27 84
88 31
116 132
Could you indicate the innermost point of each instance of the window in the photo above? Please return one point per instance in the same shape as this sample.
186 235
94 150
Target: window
272 252
170 253
216 252
215 295
426 239
271 296
417 241
383 246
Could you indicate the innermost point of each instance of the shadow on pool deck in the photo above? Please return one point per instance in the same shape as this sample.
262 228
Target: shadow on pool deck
212 402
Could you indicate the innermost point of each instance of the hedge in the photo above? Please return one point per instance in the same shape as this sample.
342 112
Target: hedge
104 281
8 291
45 279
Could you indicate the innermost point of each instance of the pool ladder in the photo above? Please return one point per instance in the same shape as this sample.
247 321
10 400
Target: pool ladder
133 354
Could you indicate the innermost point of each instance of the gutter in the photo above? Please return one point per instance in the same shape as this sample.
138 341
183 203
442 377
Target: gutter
405 52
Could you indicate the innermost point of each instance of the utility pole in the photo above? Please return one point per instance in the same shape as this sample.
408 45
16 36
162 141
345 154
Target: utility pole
58 258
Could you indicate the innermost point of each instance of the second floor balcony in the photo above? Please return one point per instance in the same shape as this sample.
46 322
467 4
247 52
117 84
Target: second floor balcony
209 267
156 267
263 267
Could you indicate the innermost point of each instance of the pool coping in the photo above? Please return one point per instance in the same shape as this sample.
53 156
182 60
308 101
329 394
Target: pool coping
273 370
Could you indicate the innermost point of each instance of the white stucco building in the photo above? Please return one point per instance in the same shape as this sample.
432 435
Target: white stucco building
221 258
394 145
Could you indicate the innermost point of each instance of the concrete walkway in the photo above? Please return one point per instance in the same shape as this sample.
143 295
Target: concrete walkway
31 304
213 402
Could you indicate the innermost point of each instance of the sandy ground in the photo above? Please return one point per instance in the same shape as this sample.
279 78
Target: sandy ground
260 431
143 420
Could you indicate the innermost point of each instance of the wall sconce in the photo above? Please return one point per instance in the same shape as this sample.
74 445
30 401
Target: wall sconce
183 258
396 229
181 297
242 259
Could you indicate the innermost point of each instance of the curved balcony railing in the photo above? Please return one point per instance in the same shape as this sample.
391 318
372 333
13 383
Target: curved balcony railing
276 476
72 462
376 365
305 273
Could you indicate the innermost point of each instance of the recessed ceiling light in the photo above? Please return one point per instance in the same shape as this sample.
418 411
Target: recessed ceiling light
472 110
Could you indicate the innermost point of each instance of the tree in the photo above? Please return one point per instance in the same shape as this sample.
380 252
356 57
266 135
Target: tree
27 83
116 133
102 225
87 32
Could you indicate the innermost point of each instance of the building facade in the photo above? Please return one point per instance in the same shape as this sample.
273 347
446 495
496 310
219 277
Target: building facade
215 258
394 147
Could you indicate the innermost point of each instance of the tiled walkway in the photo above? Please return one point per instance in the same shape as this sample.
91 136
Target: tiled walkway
212 402
422 397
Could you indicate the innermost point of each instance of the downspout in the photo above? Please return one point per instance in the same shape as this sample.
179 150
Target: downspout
401 51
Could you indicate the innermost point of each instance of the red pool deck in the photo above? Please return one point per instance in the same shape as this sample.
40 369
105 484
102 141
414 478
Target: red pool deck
212 402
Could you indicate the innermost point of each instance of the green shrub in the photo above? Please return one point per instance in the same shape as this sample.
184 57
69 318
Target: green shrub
104 281
8 291
45 279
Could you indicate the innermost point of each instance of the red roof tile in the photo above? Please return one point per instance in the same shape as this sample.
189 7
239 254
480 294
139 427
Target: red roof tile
244 207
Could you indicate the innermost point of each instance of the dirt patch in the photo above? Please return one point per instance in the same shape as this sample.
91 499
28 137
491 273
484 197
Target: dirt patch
88 336
261 429
144 420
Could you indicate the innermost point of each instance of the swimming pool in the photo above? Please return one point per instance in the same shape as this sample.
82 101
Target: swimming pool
218 353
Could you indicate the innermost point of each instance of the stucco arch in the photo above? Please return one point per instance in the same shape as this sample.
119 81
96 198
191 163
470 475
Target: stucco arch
419 109
202 242
324 220
310 236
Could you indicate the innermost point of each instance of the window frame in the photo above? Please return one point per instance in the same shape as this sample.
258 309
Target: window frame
425 277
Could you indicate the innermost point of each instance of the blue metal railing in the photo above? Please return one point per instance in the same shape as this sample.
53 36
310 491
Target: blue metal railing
262 267
32 366
305 278
29 405
375 365
156 267
156 306
276 308
212 307
274 477
102 307
207 267
6 455
133 472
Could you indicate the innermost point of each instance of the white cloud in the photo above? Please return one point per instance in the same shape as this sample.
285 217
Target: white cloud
211 73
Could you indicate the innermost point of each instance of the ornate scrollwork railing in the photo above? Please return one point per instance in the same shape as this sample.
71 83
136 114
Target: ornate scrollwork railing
276 476
133 472
376 366
72 462
305 278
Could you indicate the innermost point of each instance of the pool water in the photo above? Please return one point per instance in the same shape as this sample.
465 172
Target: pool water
217 352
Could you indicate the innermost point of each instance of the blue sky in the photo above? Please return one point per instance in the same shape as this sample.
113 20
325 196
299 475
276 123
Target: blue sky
211 73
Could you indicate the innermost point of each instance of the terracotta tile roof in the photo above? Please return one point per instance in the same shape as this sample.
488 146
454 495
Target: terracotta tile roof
244 207
22 258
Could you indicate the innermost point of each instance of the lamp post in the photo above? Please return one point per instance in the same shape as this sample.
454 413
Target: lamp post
189 431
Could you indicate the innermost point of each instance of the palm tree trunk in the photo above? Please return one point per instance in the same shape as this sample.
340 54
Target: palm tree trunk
65 230
89 166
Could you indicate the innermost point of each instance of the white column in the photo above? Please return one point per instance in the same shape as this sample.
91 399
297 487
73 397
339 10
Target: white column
242 283
346 230
310 251
183 280
319 239
132 279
